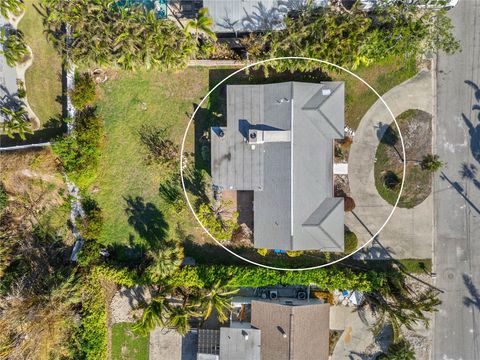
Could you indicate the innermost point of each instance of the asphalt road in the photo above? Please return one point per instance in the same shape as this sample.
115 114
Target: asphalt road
457 192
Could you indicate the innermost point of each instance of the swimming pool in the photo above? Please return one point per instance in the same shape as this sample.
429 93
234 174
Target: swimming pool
159 6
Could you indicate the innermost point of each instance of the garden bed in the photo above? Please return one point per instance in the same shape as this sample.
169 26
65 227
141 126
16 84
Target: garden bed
416 130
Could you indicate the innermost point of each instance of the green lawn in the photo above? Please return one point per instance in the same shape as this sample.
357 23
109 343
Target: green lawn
127 188
127 345
43 78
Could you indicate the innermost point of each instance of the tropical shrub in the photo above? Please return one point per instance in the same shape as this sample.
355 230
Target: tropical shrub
330 278
15 122
8 7
85 91
91 224
220 227
160 148
14 49
432 163
80 150
22 93
351 242
104 33
348 204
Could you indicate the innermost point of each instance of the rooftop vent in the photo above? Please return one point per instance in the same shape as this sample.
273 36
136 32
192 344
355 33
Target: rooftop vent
326 92
221 133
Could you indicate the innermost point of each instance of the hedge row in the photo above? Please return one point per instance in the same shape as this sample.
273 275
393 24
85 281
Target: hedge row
329 278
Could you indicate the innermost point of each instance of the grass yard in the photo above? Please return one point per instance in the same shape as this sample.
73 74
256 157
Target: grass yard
416 128
127 345
127 188
43 78
382 77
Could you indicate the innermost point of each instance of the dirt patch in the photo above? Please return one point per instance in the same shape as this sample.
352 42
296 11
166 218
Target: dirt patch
416 130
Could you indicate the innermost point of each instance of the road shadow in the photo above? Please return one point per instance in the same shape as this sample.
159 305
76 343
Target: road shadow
474 299
147 220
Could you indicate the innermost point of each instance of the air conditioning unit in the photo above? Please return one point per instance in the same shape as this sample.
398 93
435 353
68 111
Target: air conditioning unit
301 295
273 294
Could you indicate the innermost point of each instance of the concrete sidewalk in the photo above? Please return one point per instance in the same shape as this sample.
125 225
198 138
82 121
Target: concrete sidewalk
409 233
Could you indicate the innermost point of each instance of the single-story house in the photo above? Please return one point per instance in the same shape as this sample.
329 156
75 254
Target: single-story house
277 331
278 143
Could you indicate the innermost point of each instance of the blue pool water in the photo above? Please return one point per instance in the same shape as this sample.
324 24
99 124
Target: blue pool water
159 6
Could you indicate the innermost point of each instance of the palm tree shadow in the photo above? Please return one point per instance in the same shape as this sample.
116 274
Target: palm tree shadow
147 220
476 89
469 171
474 129
461 191
474 299
474 132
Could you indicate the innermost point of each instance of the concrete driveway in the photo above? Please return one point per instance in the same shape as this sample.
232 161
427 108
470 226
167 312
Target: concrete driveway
409 233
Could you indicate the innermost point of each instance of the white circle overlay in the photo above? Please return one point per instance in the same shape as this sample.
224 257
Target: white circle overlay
263 62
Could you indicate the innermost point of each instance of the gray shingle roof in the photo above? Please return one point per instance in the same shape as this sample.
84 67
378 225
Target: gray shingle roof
289 166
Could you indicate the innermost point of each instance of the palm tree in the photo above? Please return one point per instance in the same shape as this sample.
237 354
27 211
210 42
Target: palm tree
155 314
217 298
432 163
15 122
179 317
202 24
165 261
395 305
14 47
11 7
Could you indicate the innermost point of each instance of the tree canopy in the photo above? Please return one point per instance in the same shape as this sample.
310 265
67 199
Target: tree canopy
105 34
351 38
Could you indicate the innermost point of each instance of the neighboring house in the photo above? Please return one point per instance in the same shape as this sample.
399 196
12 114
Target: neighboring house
276 331
244 16
248 15
278 143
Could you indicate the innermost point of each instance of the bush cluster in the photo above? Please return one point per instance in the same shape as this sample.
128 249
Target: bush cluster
80 150
85 91
242 276
351 242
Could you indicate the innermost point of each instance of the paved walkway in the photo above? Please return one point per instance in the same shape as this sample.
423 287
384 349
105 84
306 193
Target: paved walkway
409 233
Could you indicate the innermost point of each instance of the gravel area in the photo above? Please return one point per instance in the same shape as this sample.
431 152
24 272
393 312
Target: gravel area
125 303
